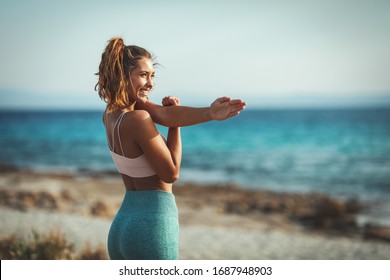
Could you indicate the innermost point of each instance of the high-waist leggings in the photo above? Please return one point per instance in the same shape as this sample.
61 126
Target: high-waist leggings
145 227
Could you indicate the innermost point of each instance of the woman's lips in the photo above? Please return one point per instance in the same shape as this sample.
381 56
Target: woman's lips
143 93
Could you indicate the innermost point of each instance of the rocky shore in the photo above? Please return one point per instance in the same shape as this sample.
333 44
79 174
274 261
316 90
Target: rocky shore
217 222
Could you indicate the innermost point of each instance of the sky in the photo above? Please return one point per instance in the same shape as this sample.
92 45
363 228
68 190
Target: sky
269 53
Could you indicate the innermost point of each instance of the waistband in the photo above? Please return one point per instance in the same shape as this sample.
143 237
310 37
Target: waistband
149 201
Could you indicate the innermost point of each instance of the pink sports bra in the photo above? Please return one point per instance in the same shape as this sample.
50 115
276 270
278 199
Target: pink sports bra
134 167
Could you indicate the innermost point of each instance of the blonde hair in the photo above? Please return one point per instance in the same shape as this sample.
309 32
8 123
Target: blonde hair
114 72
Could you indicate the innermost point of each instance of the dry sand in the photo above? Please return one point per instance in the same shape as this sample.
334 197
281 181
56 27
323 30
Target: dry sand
215 222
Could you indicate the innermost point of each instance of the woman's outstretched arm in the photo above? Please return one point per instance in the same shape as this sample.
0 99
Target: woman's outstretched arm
176 116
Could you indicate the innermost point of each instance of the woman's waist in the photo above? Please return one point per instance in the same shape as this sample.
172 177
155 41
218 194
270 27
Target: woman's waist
149 201
145 184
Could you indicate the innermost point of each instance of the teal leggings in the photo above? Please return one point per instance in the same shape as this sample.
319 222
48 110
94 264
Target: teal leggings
145 227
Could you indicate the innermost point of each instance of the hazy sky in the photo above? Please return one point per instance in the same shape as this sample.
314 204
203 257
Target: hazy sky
270 53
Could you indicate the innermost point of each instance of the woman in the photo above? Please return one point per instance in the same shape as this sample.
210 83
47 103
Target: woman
146 225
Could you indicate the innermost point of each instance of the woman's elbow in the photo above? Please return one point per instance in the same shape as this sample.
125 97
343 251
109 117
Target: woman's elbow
171 178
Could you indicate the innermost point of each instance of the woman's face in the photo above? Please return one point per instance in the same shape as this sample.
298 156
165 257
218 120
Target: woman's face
141 79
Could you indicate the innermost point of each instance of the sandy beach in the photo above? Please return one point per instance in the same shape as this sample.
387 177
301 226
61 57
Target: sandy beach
216 222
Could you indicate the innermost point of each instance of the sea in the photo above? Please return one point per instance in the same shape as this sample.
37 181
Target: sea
340 152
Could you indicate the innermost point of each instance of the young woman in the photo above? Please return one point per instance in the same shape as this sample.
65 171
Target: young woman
146 225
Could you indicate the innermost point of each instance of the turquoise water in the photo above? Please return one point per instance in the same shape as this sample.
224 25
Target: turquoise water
341 152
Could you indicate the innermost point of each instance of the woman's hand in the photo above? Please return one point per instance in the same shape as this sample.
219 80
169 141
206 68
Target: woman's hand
224 108
170 101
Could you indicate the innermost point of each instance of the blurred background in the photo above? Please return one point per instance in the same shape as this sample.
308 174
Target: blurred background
315 76
270 53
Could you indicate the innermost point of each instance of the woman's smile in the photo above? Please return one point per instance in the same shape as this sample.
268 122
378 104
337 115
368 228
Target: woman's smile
143 93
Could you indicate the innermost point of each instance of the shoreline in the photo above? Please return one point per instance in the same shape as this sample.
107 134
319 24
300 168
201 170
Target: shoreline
374 211
209 215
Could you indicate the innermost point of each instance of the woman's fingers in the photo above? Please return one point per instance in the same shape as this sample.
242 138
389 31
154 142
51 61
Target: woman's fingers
170 101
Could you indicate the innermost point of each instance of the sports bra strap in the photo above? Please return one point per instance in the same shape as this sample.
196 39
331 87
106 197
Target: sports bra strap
119 120
117 123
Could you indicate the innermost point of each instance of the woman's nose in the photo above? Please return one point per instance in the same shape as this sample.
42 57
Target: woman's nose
150 83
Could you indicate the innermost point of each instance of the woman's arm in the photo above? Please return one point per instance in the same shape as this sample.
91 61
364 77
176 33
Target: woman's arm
164 157
175 147
176 116
174 138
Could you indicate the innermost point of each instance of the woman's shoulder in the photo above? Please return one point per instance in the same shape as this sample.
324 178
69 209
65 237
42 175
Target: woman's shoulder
137 117
140 123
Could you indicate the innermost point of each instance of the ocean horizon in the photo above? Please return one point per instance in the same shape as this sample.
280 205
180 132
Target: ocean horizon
341 152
